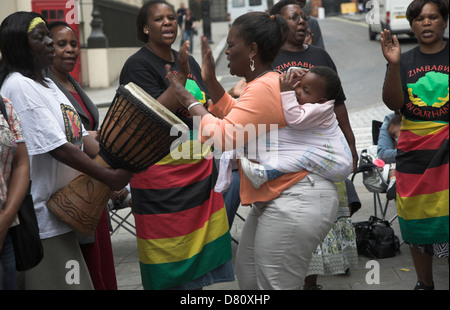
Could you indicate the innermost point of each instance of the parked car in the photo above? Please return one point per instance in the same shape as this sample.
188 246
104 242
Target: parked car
390 15
238 7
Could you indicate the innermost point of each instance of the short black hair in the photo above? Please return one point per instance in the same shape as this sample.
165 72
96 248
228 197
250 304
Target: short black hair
269 32
334 85
301 3
416 7
277 7
141 18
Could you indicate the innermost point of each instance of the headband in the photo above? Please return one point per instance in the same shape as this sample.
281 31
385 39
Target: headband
34 22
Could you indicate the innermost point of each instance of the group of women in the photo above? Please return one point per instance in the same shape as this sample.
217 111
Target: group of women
181 222
54 114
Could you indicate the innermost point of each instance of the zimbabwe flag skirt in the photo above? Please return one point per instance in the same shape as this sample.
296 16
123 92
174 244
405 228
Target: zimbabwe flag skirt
422 181
181 223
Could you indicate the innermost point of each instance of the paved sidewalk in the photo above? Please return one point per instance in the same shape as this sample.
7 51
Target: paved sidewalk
396 273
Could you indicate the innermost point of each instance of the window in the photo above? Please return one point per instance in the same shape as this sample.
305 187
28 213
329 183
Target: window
52 15
238 3
255 2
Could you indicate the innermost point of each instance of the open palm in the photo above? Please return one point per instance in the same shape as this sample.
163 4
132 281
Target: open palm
390 47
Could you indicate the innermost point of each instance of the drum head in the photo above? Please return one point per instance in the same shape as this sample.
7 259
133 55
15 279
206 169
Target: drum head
153 105
138 131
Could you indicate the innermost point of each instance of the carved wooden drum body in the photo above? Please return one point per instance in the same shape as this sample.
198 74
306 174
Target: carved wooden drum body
135 134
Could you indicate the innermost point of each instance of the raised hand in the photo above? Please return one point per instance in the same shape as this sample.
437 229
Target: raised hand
183 59
183 95
208 64
390 47
309 37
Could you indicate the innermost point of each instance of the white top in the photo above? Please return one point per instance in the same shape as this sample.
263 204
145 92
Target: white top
48 121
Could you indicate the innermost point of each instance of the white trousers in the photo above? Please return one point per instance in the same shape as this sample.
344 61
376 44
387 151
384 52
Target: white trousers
279 236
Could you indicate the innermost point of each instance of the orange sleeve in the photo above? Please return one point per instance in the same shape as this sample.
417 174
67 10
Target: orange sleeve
259 106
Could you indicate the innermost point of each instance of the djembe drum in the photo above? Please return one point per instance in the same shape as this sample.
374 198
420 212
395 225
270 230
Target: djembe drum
134 135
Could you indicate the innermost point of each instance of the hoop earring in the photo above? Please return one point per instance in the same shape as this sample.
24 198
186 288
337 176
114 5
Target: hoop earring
252 64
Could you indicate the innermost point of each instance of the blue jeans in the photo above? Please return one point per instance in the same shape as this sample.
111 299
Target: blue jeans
7 265
189 35
231 197
273 174
223 273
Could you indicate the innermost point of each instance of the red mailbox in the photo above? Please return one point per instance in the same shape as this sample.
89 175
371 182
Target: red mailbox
64 10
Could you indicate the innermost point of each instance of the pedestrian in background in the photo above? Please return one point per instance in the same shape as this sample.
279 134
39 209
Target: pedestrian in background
181 12
314 36
416 83
188 27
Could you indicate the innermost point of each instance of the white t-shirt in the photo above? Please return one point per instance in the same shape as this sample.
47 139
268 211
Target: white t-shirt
48 121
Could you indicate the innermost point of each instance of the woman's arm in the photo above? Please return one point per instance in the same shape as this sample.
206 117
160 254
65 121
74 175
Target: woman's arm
168 98
258 111
215 89
17 188
91 146
344 123
392 89
73 157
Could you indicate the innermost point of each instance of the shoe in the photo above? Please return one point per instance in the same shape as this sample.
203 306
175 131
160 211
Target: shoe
316 287
420 286
391 190
254 172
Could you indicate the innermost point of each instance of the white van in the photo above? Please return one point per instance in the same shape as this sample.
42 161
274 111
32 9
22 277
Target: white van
238 7
387 14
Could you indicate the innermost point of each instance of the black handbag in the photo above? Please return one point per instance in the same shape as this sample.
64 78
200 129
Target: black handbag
375 238
28 247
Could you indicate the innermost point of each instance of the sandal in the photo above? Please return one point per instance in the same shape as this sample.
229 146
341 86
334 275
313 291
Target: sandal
420 286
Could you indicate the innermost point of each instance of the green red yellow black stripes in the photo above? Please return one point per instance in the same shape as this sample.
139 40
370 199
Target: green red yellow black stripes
422 179
181 223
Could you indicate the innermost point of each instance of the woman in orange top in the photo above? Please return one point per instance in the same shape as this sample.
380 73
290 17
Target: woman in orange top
290 215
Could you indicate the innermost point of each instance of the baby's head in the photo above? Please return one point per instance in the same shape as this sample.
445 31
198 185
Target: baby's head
319 85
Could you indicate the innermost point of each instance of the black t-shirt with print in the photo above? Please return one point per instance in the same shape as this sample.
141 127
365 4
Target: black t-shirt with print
148 71
425 85
311 57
